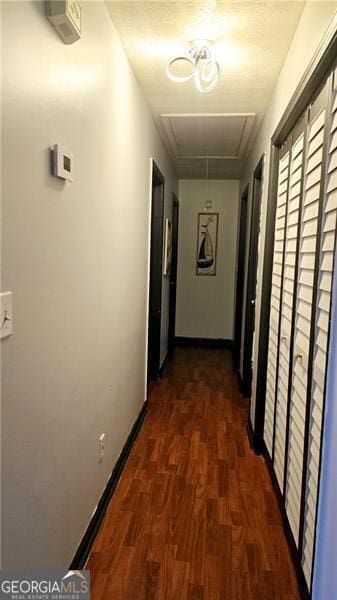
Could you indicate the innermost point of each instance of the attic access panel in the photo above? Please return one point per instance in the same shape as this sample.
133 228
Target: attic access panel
218 135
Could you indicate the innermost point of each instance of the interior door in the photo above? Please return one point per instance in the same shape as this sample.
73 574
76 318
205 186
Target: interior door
240 279
173 275
156 270
247 371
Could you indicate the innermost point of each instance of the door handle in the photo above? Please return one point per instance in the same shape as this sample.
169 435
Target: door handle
252 302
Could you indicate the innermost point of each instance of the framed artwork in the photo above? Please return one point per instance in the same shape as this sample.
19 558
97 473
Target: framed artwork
167 247
207 242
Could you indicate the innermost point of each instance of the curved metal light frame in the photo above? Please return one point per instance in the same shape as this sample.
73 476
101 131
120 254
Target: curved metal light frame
205 69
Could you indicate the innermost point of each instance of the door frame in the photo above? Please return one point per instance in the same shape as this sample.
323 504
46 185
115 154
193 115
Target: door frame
240 278
254 237
173 274
156 274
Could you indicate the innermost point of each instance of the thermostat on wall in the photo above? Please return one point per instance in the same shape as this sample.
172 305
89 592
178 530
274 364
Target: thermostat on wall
63 163
65 17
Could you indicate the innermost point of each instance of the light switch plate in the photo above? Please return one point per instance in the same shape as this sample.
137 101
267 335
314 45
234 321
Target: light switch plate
6 314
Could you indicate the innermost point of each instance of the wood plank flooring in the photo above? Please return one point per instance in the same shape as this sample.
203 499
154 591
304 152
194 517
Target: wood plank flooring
194 515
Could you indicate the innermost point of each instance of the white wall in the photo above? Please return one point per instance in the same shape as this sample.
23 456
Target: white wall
205 305
312 25
76 258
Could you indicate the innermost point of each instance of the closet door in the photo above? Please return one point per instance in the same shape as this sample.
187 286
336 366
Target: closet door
288 304
322 326
274 321
304 318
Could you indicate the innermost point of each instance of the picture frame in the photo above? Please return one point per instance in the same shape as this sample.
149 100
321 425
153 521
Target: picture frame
207 243
167 247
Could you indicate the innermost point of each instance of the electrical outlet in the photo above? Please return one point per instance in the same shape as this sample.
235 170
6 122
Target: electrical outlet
101 447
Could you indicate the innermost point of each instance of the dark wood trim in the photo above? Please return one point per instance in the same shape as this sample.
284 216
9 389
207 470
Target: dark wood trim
257 445
302 585
173 274
164 364
251 278
88 539
207 342
240 277
262 355
314 74
157 174
156 273
238 374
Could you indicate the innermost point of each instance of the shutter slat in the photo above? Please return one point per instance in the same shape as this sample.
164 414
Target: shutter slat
278 260
321 338
303 323
291 244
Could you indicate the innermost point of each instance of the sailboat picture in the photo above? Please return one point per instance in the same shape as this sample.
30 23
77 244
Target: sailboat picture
207 241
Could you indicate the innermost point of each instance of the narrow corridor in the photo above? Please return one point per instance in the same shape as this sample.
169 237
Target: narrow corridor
194 515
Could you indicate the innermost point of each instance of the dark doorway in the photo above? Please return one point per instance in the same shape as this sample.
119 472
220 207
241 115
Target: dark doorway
251 281
173 275
156 269
240 279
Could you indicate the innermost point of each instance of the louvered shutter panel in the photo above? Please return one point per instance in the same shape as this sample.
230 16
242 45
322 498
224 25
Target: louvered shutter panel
287 304
322 322
281 208
303 320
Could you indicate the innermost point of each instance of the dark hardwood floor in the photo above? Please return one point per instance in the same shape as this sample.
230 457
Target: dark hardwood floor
194 515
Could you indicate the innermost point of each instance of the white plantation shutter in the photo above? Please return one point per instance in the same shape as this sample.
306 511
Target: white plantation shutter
322 321
281 208
302 283
287 304
303 320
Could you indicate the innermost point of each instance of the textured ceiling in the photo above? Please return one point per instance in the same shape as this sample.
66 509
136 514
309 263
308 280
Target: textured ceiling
252 40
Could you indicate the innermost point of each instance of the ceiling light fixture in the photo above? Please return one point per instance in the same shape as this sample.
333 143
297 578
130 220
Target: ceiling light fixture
200 58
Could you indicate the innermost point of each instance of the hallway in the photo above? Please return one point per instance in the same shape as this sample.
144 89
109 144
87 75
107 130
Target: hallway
194 515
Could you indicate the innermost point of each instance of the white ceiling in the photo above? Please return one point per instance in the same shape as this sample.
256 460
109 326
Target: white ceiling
252 39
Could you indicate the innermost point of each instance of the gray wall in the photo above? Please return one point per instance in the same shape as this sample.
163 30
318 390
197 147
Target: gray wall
76 258
205 305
